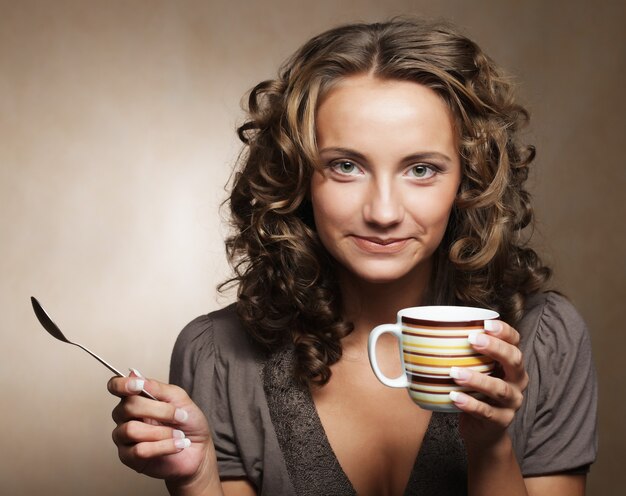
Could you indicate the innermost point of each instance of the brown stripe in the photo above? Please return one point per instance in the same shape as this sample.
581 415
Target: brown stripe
436 323
414 379
436 374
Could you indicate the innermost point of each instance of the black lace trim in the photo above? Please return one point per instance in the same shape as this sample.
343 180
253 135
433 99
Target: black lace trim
440 468
441 465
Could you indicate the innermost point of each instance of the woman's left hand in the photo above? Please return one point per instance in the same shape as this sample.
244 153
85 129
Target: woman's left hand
485 422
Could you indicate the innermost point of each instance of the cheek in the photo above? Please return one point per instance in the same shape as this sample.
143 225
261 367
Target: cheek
432 211
331 206
327 217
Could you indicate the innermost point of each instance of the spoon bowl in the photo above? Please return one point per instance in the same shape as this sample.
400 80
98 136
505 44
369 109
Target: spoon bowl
48 324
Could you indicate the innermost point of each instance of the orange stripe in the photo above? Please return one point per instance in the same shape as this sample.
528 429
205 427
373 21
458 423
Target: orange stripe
462 353
408 344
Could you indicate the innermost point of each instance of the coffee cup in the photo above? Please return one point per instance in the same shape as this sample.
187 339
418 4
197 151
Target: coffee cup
432 340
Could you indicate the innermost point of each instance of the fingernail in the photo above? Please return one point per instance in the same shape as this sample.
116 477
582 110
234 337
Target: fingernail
177 434
180 415
493 325
136 385
136 372
478 339
182 443
459 373
456 397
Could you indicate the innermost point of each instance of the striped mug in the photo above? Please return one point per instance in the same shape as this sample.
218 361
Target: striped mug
433 339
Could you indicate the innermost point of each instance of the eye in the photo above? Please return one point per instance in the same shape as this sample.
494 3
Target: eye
421 171
345 167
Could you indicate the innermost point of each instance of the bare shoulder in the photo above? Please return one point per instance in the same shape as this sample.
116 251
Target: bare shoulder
556 485
240 487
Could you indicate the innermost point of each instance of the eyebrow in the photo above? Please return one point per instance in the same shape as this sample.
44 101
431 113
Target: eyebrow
347 152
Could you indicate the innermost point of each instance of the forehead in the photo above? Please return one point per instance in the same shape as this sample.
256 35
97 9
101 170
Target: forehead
364 112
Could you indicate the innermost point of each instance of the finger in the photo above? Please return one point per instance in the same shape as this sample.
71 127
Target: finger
135 456
481 410
134 384
501 392
126 386
138 407
134 432
507 355
502 331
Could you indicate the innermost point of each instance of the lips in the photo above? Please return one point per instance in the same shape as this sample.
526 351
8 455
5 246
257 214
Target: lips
380 245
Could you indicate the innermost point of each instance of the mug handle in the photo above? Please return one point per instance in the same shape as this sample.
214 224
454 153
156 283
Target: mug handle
400 381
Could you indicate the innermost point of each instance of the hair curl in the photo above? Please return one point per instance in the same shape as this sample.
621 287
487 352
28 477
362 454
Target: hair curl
287 285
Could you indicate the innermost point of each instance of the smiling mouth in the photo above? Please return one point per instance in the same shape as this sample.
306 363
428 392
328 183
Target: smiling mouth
380 245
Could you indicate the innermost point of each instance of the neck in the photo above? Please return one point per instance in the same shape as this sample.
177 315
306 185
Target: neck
368 304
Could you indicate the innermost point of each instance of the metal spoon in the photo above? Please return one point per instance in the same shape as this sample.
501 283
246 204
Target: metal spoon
52 328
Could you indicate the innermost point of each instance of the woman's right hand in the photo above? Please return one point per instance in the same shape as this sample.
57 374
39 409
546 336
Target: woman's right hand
168 439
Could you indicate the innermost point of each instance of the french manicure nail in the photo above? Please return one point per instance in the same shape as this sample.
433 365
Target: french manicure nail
182 443
478 339
457 397
180 415
459 373
136 372
493 325
136 385
178 434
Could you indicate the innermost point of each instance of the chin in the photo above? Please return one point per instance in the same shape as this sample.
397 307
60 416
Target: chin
382 275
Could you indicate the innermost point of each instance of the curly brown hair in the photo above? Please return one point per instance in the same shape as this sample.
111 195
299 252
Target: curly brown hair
288 290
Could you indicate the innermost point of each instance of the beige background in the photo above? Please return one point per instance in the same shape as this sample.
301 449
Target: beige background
117 136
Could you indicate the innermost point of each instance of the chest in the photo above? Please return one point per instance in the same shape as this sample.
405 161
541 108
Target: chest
375 431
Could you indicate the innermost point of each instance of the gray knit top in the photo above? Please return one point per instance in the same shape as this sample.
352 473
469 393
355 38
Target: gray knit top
266 428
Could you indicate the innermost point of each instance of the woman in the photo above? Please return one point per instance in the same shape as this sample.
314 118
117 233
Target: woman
382 170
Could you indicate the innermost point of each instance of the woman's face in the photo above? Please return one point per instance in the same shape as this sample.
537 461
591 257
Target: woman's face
391 171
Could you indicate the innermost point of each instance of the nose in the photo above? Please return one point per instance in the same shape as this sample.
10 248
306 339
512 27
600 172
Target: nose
383 206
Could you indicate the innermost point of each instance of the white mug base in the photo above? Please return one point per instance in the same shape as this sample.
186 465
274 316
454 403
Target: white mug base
440 408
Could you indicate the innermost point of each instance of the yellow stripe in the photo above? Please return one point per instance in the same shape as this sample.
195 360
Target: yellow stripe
408 344
444 402
447 361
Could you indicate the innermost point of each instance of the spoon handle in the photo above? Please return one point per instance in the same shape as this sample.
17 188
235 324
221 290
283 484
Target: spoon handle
101 360
143 393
